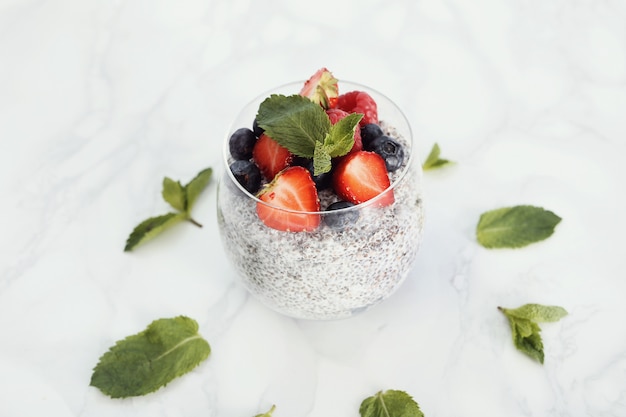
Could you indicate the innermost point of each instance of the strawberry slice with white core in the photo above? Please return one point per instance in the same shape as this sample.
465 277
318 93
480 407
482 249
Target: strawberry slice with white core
362 176
321 89
270 157
283 200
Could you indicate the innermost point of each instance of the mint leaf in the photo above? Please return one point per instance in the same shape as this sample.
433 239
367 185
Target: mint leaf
391 403
340 140
537 312
150 228
295 122
196 186
526 331
268 414
321 159
174 193
142 363
515 227
433 160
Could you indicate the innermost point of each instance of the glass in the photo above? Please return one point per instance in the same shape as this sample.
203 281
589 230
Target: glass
328 273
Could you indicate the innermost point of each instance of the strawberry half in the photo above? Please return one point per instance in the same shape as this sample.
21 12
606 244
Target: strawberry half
291 190
321 88
359 102
270 157
337 114
361 176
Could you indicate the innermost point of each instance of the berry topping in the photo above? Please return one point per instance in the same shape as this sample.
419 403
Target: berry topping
247 174
390 150
291 190
359 102
270 156
369 132
321 88
340 220
361 176
241 143
337 114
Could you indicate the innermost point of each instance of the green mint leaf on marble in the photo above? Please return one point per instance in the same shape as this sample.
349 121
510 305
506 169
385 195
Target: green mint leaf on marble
181 198
304 128
433 159
144 362
150 228
515 227
174 193
390 403
524 327
537 313
268 414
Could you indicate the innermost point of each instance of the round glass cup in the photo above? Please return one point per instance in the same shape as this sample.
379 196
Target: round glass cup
330 272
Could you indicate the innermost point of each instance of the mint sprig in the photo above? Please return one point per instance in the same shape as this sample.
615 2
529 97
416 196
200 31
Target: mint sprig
144 362
524 327
304 128
181 198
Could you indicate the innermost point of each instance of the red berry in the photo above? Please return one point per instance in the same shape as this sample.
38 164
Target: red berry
321 88
270 157
359 102
291 189
361 176
337 114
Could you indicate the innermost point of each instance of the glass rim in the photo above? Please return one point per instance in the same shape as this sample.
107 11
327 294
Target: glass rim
365 204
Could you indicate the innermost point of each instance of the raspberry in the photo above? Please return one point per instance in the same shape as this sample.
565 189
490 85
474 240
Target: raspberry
359 102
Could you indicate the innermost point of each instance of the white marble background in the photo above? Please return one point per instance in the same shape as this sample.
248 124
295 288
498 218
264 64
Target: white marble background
101 99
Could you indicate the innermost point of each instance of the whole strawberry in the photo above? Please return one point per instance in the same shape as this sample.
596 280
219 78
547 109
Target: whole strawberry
321 89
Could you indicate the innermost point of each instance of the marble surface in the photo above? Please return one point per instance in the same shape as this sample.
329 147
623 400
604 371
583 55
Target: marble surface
99 100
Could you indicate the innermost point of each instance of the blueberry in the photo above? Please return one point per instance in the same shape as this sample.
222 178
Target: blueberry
390 150
369 132
322 181
340 220
247 174
241 143
258 130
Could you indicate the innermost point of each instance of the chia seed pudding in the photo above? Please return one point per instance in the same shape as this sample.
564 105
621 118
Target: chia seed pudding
328 273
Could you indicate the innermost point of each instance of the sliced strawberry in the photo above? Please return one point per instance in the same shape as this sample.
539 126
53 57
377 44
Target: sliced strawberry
361 176
321 88
270 157
359 102
337 114
291 191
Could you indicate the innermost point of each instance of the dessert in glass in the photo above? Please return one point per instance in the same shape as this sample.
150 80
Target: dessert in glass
320 205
